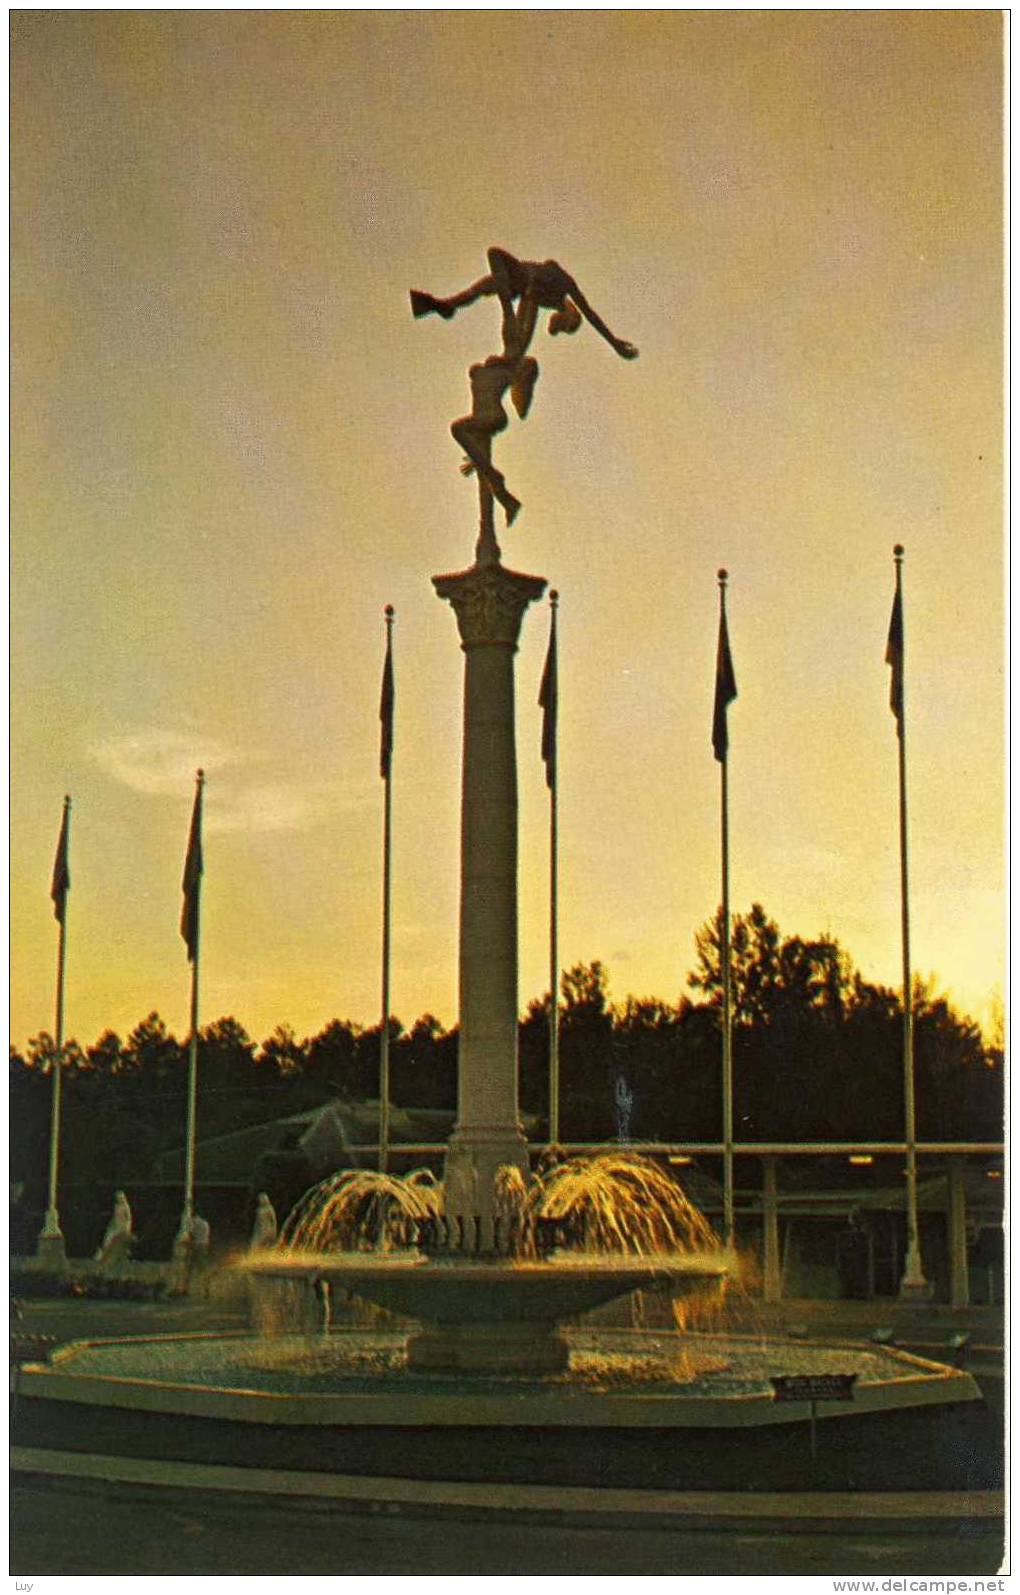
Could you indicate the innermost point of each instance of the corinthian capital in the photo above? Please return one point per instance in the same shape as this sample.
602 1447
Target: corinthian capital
489 602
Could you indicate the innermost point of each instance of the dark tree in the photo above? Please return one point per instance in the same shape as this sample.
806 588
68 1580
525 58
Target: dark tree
587 1056
283 1054
818 1051
331 1056
423 1066
533 1061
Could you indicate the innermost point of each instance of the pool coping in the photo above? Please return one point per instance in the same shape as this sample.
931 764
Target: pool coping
926 1384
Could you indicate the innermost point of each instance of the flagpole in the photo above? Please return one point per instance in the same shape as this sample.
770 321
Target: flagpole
384 1034
51 1238
554 955
185 1232
913 1282
727 1035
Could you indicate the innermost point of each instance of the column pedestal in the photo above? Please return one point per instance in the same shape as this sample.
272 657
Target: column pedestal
489 602
51 1246
913 1285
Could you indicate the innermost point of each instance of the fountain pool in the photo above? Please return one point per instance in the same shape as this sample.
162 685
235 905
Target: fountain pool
499 1375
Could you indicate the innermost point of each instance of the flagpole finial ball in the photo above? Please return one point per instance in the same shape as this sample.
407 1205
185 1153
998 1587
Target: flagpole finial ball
388 611
898 550
724 575
554 596
200 774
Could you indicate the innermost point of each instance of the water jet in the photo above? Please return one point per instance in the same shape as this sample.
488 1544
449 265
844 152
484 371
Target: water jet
490 1290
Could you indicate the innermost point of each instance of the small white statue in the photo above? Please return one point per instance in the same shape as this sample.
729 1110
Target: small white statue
264 1229
115 1246
199 1237
624 1107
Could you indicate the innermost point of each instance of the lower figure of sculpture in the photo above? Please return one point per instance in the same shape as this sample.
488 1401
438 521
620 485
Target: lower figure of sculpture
490 380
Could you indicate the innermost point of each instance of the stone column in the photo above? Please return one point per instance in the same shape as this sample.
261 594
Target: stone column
489 602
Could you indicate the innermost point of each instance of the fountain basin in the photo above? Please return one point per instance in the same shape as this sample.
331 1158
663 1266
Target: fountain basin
491 1316
694 1412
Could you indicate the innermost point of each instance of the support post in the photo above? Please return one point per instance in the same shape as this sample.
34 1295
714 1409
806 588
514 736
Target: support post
184 1242
959 1272
51 1246
554 978
772 1279
913 1285
549 700
871 1261
387 771
725 693
191 920
729 1222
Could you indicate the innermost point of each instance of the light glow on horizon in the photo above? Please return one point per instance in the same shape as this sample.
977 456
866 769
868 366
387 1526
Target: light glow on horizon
230 450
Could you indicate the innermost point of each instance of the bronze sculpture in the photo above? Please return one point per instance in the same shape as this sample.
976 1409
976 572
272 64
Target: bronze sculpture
523 287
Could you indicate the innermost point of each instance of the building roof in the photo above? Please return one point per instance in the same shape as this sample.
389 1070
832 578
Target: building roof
230 1159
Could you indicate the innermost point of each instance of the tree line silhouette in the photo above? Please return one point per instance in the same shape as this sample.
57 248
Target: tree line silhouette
817 1056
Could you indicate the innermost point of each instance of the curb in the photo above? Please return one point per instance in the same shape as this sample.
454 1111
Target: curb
663 1508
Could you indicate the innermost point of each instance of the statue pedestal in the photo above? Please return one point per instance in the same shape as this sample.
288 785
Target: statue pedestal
489 602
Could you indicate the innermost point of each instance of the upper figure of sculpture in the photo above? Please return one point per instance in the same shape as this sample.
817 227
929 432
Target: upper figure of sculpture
523 287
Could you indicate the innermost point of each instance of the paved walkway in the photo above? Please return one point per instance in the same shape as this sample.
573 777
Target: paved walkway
86 1514
63 1527
667 1507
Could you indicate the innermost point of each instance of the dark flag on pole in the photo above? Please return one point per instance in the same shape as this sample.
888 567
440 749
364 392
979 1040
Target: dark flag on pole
725 680
61 870
548 699
386 703
894 651
192 882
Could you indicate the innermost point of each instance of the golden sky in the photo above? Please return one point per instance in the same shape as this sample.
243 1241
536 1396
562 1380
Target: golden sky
230 450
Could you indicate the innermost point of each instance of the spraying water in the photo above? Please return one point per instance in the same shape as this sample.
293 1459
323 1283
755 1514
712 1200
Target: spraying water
614 1204
578 1235
620 1202
361 1210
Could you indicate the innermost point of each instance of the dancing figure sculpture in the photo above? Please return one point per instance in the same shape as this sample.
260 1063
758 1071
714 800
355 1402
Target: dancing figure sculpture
523 287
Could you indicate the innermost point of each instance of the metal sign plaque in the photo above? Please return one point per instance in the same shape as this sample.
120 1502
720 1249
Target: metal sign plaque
813 1386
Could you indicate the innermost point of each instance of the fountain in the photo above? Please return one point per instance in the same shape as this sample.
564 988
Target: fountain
494 1266
557 1246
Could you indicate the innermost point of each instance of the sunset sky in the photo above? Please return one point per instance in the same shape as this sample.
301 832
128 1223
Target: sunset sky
230 450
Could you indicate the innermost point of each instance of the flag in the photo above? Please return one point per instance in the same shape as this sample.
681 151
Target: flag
548 699
192 882
61 871
725 688
894 658
386 708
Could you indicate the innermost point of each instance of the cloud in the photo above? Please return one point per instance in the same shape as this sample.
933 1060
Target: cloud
159 762
265 808
162 763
